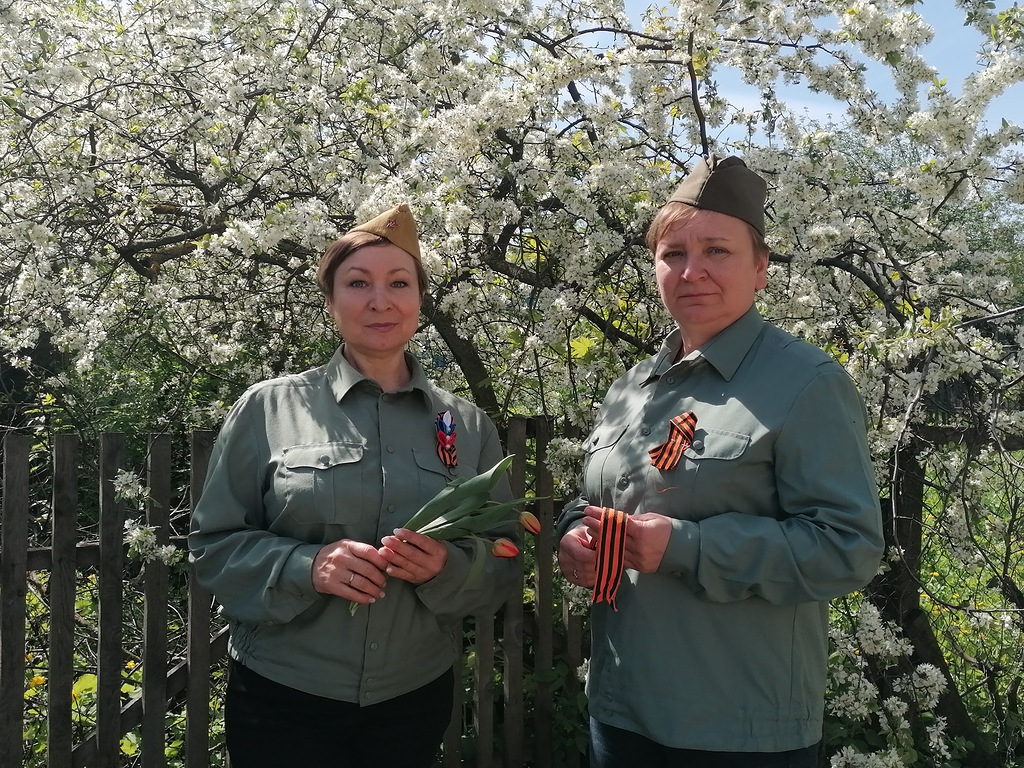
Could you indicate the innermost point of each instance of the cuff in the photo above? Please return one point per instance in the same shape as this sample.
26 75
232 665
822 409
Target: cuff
683 551
297 572
449 580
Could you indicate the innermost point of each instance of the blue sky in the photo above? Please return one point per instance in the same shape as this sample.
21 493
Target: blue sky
953 52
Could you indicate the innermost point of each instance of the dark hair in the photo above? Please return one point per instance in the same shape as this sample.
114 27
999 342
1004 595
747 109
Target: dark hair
345 246
674 211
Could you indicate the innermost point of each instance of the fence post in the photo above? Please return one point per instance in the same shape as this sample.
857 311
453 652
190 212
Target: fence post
104 746
13 589
110 658
197 697
154 662
544 646
512 637
59 740
574 656
483 690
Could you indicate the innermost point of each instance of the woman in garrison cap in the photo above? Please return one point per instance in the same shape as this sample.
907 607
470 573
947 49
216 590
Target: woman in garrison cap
310 481
727 496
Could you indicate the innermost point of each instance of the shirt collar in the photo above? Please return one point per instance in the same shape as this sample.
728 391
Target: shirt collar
724 352
342 376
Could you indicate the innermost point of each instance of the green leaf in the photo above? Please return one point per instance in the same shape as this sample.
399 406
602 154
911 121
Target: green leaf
581 346
483 519
455 495
84 684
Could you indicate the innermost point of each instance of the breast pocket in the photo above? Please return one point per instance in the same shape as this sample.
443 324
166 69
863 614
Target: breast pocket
715 444
599 477
717 472
432 476
603 438
321 483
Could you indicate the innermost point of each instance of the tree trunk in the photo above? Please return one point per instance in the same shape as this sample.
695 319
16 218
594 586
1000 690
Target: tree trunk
896 594
468 359
16 392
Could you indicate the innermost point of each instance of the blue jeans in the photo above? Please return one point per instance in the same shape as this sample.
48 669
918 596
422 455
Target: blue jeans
617 748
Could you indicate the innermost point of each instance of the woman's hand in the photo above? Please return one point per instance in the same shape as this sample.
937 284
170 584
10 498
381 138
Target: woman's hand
577 557
412 557
647 536
350 569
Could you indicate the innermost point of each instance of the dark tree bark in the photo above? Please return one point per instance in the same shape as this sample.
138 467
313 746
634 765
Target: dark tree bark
896 594
468 359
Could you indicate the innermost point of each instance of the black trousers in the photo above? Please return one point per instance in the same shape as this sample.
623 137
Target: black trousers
611 747
270 725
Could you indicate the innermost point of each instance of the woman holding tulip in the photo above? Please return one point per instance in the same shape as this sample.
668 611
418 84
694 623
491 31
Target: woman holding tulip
310 483
728 495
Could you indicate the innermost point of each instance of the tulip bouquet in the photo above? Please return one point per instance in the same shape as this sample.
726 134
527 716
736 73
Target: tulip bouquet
463 509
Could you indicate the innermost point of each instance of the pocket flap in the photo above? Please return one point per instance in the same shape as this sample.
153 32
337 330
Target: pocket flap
322 455
604 437
716 444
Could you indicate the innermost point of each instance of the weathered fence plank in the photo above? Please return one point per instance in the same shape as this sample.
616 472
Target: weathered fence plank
13 589
132 713
512 635
197 697
59 738
484 690
574 656
110 658
154 659
544 657
190 680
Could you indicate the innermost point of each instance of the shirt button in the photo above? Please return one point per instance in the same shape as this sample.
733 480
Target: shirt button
698 445
623 482
391 449
391 507
373 647
645 431
325 459
671 379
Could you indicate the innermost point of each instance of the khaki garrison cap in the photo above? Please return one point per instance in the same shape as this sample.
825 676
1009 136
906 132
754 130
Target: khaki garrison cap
726 186
397 226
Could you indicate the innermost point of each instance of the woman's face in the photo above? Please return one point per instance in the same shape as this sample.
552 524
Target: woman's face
375 302
708 271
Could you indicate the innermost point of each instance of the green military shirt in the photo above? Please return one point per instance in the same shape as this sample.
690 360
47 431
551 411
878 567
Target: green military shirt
774 511
309 459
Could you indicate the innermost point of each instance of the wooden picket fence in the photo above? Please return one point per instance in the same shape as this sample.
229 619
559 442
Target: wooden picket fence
508 730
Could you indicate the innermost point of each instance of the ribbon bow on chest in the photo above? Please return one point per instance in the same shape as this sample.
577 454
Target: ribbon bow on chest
445 426
680 435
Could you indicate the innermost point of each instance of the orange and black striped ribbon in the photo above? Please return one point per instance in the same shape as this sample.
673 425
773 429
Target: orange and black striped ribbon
448 455
445 426
680 434
611 554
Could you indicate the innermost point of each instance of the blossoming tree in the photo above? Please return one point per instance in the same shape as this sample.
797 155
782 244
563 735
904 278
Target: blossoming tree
171 172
